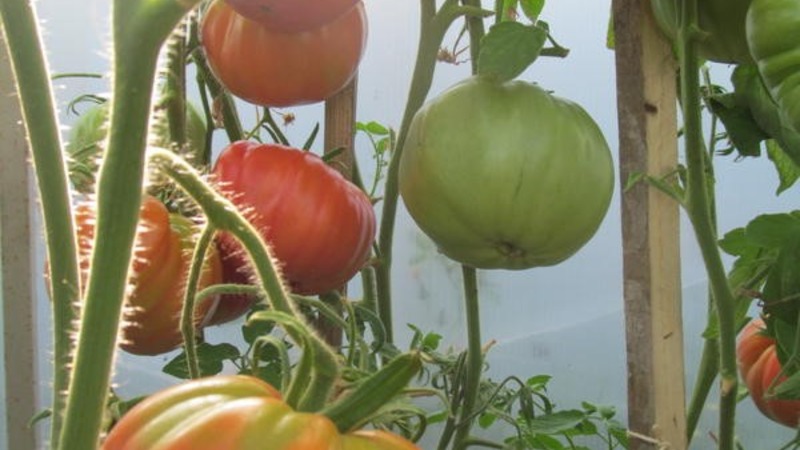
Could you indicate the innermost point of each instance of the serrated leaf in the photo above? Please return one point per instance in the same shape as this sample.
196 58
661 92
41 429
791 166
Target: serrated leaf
788 171
557 422
508 49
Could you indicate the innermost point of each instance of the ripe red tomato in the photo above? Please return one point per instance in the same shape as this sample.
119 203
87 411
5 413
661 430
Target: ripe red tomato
234 412
162 254
291 16
321 227
759 367
271 68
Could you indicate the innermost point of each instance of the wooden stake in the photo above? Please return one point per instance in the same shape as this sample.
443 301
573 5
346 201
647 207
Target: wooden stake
646 99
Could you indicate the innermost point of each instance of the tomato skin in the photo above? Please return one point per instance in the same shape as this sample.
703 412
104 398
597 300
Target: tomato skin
292 16
321 227
234 412
723 20
759 366
772 36
271 68
505 175
151 319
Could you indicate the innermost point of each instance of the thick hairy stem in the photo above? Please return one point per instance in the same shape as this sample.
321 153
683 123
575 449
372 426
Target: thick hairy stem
139 28
187 313
38 108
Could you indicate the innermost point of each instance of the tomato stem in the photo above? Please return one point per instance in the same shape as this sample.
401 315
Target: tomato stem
698 208
188 311
38 109
433 27
474 364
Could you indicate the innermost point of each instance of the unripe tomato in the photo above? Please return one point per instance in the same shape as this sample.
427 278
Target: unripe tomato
759 367
234 412
271 68
162 255
505 175
291 16
722 20
320 226
772 33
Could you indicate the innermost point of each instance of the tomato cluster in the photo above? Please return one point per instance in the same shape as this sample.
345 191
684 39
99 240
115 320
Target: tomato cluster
760 369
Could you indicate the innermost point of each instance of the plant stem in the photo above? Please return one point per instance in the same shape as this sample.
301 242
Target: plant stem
433 26
139 29
223 215
38 108
707 371
698 208
474 363
187 313
175 87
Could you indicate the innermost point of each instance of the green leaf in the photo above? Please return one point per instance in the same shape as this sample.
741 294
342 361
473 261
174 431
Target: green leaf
788 171
789 388
750 90
508 49
773 231
781 293
743 131
532 8
210 357
252 330
373 128
557 422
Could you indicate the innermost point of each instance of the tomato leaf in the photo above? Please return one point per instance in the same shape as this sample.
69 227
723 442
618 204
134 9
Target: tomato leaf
508 49
532 8
788 171
774 231
743 131
789 388
781 293
210 357
557 422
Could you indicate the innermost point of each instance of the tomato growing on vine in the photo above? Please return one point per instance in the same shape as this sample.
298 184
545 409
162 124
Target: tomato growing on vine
273 68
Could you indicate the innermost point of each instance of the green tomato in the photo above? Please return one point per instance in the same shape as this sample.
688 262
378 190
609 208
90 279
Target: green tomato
505 175
723 20
773 33
85 145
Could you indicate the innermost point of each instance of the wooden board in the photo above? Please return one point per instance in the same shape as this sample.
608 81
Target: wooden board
646 100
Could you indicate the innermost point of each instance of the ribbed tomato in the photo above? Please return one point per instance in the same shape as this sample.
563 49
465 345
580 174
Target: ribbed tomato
760 367
162 254
234 412
291 16
320 226
272 68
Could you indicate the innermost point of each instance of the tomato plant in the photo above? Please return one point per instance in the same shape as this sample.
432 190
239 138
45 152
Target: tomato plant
760 369
234 412
771 33
273 68
320 226
526 184
291 16
723 21
161 260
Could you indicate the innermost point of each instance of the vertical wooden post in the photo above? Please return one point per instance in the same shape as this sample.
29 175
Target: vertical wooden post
340 119
646 98
19 303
